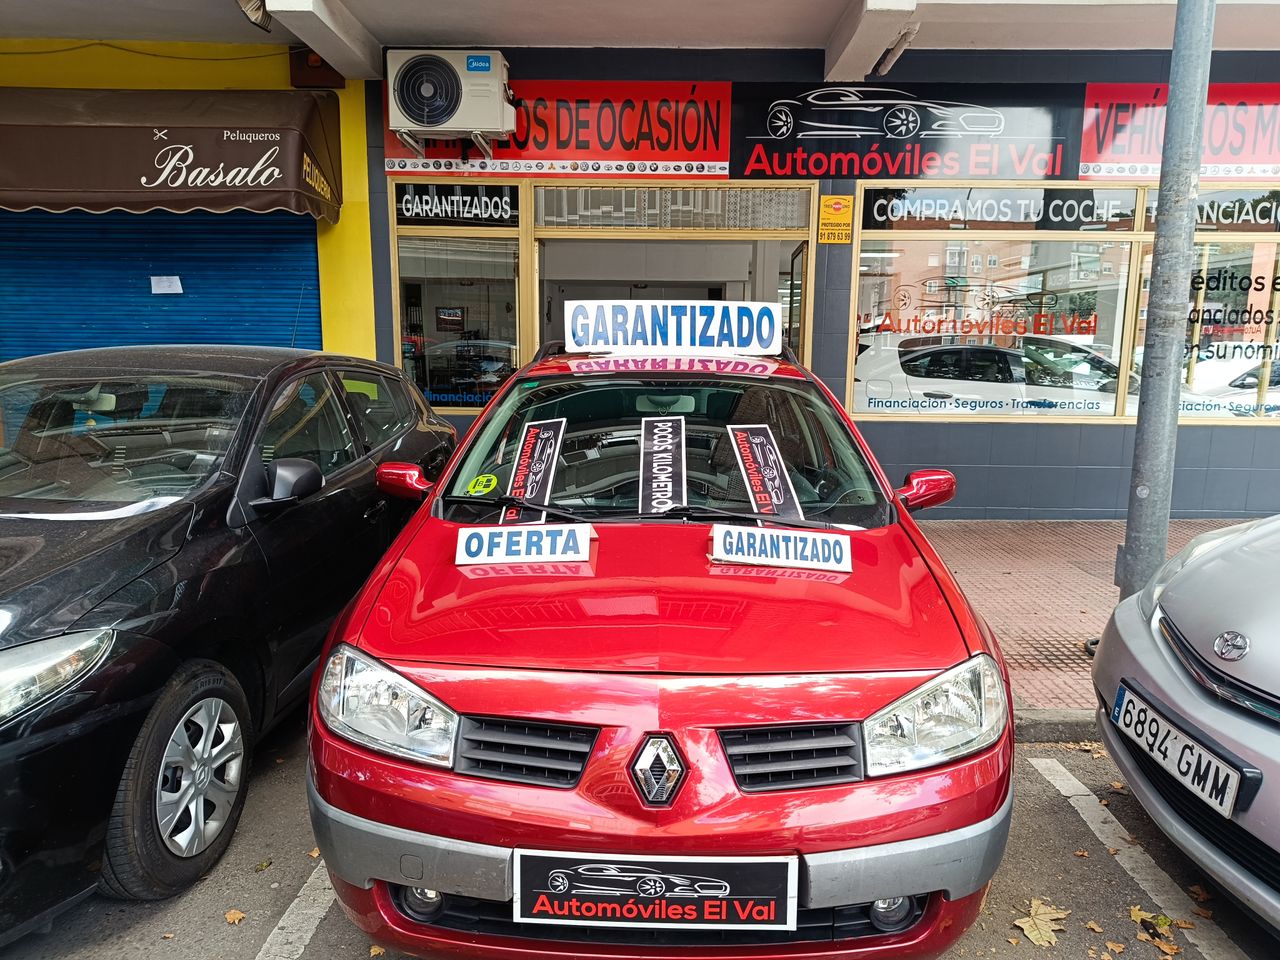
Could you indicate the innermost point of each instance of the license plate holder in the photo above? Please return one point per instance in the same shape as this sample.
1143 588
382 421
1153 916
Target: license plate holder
663 892
1201 770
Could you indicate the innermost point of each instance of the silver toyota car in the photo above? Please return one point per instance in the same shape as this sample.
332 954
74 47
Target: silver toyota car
1188 682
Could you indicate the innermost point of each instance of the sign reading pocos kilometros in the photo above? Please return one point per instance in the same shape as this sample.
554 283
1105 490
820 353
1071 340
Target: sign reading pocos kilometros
697 327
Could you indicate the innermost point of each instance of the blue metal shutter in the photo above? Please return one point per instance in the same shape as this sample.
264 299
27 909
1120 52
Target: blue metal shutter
70 280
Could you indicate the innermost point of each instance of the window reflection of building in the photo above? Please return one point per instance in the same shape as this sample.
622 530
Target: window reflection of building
458 316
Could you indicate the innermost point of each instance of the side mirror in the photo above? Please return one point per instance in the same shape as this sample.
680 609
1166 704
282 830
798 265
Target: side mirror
403 480
289 480
927 488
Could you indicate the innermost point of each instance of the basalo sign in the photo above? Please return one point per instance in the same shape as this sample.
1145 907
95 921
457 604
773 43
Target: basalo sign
689 328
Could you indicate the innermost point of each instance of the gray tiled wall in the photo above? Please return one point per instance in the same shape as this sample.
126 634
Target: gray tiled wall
1067 471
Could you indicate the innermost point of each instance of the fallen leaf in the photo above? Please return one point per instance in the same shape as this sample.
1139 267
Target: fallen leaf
1118 786
279 759
1115 947
1105 803
1106 956
1167 948
315 852
1198 893
1082 854
1094 926
1202 912
376 951
1100 755
234 917
166 936
1137 914
1040 924
1184 924
262 866
1014 940
1113 850
1146 937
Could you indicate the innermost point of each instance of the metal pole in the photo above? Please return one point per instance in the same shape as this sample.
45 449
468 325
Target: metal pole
1146 537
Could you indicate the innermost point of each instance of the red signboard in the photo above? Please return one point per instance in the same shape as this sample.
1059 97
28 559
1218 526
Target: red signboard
1124 131
566 128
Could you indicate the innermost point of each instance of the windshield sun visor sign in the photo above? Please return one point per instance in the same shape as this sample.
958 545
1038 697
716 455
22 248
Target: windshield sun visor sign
558 542
688 328
763 471
534 469
799 549
662 464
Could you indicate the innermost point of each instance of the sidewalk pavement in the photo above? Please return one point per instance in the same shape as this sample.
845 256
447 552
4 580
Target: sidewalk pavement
1045 587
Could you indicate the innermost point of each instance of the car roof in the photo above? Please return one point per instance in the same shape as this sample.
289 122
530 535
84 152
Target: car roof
223 359
628 366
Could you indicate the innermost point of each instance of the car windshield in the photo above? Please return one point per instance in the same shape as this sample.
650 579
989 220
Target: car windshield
117 440
807 459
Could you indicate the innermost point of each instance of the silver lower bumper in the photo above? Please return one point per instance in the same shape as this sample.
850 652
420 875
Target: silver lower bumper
958 863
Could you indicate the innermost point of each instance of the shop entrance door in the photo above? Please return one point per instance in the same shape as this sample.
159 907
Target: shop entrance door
768 270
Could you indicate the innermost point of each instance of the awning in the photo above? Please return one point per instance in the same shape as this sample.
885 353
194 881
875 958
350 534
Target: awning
177 150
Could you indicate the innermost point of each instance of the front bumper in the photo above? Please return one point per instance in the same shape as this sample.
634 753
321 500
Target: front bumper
957 863
1132 650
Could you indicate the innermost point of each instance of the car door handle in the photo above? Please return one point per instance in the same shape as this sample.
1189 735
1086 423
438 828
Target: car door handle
939 395
374 512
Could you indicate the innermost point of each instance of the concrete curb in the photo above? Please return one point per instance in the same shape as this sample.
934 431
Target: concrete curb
1032 725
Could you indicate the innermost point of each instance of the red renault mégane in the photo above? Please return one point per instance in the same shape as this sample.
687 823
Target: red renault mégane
663 667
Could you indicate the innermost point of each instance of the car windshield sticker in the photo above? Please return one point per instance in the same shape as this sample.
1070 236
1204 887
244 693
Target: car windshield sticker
802 549
728 893
768 486
564 542
662 464
697 328
485 483
534 469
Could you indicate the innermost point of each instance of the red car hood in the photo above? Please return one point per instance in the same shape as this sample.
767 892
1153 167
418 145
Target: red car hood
650 601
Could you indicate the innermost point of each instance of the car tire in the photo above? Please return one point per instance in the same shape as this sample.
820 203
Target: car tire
901 122
203 702
780 122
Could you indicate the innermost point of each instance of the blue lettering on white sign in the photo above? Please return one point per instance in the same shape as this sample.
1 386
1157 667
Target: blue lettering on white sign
479 64
813 550
559 541
717 328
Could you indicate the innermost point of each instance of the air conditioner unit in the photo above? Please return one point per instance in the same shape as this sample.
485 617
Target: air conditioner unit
449 94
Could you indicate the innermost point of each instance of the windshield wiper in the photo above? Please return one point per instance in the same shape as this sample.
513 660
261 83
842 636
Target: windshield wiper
506 500
695 511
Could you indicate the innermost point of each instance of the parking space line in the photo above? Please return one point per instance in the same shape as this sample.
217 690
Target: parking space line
298 925
1170 899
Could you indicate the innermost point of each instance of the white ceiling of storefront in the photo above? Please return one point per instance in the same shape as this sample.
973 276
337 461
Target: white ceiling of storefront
854 33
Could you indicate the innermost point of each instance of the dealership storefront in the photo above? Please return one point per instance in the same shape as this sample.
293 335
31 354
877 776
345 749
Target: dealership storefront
967 265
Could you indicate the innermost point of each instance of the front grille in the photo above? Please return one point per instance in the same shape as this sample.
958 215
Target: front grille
493 918
786 758
546 754
1224 685
1233 840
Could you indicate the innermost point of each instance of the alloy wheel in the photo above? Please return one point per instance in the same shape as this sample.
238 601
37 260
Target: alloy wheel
200 777
901 122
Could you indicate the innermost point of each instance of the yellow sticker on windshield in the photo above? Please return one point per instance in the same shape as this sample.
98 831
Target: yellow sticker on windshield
482 484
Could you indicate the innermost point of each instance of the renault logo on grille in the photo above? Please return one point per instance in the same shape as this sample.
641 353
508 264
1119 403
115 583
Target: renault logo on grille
658 771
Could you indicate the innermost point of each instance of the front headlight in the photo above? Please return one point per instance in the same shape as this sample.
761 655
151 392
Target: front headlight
369 703
36 671
1150 595
953 715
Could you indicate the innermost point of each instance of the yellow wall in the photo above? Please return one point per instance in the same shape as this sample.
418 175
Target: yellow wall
344 249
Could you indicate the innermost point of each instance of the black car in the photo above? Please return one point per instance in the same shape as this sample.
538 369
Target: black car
179 526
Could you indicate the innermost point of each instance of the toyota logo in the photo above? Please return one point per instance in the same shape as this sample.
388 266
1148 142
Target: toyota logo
658 771
1231 646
